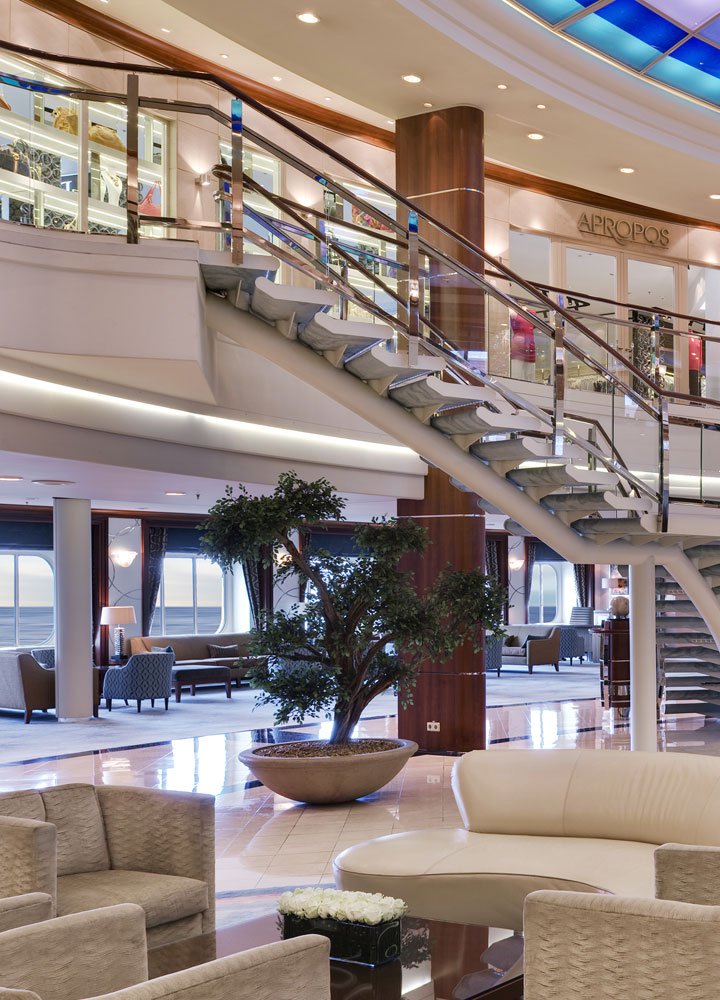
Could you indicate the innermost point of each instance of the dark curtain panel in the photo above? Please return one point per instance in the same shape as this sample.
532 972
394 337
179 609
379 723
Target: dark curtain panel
496 562
582 580
530 552
259 583
154 549
100 589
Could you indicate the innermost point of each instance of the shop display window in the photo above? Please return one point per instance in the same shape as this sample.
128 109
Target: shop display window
42 180
265 171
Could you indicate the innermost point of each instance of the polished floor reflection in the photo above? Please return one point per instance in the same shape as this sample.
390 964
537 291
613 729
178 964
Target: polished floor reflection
266 843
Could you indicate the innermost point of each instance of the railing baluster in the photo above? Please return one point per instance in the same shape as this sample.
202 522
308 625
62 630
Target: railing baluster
558 420
236 124
133 106
664 463
413 287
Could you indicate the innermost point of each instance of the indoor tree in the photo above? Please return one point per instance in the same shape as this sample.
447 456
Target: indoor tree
363 627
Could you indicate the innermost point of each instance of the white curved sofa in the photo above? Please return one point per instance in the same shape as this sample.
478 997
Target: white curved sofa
582 820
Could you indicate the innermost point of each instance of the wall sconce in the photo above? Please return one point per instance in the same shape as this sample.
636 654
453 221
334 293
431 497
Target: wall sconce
515 563
282 556
203 180
123 557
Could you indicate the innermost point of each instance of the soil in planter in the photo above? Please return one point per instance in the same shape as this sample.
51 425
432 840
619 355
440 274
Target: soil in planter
321 748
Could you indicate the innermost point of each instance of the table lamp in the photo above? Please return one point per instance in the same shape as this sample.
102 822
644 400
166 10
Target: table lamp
118 616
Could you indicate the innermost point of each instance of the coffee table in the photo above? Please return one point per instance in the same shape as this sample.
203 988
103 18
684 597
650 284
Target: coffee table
439 961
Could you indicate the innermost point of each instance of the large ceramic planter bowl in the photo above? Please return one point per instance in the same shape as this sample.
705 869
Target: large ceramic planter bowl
322 780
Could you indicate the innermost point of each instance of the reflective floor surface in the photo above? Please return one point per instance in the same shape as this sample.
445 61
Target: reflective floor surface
266 843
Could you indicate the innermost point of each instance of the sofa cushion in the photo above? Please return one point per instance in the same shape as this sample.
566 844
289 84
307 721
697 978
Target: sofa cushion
81 843
215 652
23 805
484 878
512 640
163 897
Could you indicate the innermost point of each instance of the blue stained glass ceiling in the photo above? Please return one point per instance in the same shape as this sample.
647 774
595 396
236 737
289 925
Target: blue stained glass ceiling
674 42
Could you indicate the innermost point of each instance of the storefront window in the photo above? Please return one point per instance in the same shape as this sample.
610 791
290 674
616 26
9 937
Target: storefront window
652 285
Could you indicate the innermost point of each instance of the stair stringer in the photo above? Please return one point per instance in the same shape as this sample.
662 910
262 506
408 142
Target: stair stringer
436 448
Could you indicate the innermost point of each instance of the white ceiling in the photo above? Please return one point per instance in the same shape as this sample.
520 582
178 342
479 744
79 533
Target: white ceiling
597 119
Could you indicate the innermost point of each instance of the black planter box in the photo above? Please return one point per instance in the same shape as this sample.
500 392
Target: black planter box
369 944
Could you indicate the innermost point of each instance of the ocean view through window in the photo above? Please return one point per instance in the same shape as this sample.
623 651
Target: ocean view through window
26 600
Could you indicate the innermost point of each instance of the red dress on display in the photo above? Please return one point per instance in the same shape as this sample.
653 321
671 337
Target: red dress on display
522 341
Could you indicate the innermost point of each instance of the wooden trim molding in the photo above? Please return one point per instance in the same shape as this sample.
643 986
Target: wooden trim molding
125 35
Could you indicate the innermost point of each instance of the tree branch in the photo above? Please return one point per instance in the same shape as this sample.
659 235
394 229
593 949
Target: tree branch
302 563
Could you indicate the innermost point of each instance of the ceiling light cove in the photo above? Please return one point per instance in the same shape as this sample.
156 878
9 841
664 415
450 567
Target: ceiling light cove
412 78
307 17
175 493
535 136
53 482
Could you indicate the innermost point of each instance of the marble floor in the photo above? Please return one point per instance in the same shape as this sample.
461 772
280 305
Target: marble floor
266 844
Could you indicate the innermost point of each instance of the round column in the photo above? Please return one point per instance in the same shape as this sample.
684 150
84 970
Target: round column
73 609
643 656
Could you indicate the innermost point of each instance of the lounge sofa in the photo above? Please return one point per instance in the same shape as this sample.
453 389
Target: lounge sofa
531 646
103 953
90 846
195 649
583 820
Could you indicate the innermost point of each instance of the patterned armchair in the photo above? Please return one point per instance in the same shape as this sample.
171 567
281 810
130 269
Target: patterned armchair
572 643
145 675
45 655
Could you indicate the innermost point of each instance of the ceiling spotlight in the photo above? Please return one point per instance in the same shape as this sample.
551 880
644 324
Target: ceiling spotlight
412 78
627 170
11 479
53 482
175 493
277 79
224 55
307 17
541 107
535 136
715 197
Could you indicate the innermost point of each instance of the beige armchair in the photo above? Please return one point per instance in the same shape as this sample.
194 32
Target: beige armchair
86 847
103 953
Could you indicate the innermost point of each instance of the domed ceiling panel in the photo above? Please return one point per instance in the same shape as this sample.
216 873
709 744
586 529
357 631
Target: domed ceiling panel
674 42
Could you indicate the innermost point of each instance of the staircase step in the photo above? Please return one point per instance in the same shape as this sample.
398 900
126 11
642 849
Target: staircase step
702 652
221 275
686 682
693 708
675 622
669 587
692 667
704 693
432 394
382 366
604 500
518 449
618 527
674 607
706 549
498 416
289 306
562 475
330 335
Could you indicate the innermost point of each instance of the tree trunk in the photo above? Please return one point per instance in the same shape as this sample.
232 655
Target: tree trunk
346 718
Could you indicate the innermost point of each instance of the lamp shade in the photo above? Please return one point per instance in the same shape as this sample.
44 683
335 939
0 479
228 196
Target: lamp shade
118 615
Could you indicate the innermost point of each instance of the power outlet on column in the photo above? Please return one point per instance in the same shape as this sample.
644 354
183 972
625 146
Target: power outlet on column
433 727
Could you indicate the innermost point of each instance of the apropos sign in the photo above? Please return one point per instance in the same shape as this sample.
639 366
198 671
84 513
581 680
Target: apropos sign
624 231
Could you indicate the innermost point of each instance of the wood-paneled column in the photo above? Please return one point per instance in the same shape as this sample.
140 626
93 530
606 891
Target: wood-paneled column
451 693
440 166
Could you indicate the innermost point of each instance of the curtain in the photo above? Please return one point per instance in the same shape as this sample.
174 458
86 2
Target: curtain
259 583
530 551
582 573
153 554
492 557
100 589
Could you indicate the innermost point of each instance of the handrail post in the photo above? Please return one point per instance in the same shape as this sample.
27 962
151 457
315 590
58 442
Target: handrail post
413 286
664 463
655 349
558 420
236 115
133 197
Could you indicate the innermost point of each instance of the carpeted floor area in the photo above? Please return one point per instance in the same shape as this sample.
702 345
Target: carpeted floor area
517 687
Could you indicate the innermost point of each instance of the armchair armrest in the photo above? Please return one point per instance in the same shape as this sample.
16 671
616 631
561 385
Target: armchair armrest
28 859
80 955
688 873
30 908
547 650
38 683
597 945
285 970
169 833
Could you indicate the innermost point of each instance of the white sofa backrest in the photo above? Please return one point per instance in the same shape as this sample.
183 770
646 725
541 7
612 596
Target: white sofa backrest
611 794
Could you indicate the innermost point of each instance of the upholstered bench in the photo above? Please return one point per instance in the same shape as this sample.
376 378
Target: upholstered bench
192 674
583 820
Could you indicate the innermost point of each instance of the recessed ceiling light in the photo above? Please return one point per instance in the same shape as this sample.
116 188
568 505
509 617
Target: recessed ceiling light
627 170
175 493
536 136
53 482
427 104
166 31
307 17
412 78
502 86
224 55
715 197
277 79
541 107
390 121
11 479
328 99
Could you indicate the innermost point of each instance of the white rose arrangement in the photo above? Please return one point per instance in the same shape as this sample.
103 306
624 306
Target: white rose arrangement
353 907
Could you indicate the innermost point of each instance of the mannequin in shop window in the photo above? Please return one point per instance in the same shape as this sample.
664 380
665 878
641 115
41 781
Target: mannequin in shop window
695 354
522 348
112 186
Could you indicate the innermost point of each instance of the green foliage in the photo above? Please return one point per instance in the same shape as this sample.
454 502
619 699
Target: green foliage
364 628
